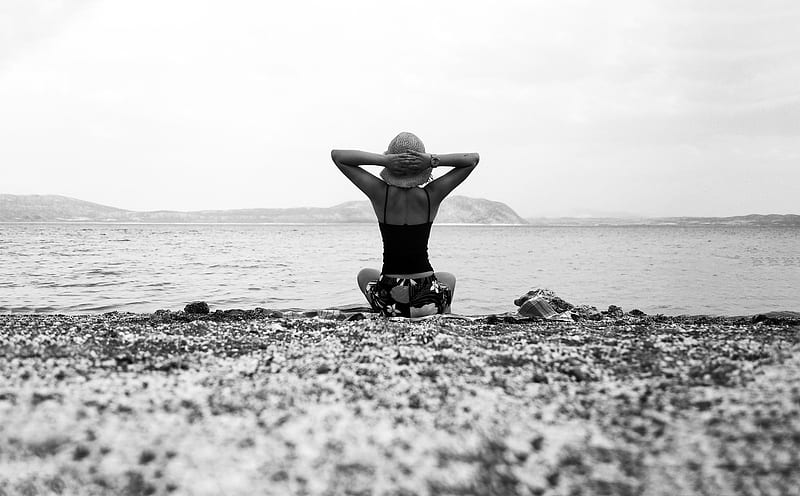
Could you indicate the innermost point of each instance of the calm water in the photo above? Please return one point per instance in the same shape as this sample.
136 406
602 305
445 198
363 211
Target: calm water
70 268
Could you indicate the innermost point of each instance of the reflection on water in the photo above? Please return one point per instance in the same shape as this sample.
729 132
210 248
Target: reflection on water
665 269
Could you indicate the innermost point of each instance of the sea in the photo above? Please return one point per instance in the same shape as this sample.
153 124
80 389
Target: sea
75 268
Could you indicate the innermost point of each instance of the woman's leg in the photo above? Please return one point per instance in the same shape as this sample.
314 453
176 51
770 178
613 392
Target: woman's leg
365 276
449 280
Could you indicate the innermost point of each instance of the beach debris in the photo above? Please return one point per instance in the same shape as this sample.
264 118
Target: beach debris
587 312
543 304
558 304
196 307
537 307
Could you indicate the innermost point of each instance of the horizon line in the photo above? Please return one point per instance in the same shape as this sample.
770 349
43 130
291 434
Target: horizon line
630 216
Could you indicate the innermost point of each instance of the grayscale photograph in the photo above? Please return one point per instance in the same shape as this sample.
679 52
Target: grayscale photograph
395 249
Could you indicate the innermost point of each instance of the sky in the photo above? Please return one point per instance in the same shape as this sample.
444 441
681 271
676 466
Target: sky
577 107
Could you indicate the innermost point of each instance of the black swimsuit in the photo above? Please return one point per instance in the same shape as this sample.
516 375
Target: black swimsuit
405 247
405 251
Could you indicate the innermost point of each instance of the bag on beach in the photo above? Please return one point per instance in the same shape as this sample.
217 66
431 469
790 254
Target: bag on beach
537 307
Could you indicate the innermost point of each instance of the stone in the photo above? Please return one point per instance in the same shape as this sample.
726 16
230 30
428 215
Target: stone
637 313
196 307
146 457
615 311
235 313
492 319
587 312
780 317
80 452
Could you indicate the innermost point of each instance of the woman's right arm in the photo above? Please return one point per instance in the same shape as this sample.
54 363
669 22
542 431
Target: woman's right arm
462 163
459 160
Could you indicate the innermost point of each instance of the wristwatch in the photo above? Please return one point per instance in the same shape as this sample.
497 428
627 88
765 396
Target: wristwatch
434 160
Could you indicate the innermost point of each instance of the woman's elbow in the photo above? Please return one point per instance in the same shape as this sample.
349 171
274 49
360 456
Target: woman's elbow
475 159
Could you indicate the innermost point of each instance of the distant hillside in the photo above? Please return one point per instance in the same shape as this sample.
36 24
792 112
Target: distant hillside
791 220
740 220
21 208
51 208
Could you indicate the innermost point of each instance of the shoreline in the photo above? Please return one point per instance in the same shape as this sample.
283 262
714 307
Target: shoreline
295 403
219 314
357 312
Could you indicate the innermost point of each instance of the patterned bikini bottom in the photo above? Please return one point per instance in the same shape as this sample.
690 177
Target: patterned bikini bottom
397 297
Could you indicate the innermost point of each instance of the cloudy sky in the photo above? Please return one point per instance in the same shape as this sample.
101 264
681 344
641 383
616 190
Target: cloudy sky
576 107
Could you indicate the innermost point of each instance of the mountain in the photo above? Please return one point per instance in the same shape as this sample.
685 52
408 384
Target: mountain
739 220
791 220
52 208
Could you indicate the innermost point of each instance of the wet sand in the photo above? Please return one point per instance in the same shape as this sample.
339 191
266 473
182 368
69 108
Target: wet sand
263 403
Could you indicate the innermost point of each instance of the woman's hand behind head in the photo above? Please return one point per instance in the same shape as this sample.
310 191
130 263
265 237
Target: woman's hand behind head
406 163
415 160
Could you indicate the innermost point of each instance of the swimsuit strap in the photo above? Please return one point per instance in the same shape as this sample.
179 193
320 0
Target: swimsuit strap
385 202
429 203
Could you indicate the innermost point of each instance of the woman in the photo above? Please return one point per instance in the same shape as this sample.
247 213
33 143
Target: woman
407 285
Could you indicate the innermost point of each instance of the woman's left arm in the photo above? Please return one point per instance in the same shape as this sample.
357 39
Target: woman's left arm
350 162
357 158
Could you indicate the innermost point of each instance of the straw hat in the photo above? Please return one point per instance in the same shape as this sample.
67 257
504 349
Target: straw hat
401 143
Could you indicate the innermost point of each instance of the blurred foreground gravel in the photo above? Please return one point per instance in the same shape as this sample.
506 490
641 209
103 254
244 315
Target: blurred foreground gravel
253 404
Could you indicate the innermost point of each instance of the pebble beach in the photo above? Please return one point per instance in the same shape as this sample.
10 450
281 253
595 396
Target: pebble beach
346 402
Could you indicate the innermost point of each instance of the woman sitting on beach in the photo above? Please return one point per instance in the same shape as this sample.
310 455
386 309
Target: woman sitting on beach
407 285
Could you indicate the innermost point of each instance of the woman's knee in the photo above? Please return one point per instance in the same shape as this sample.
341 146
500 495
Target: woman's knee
366 275
448 279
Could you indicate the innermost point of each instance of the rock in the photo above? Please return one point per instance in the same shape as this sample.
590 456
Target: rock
587 312
146 457
492 319
80 452
196 307
637 313
355 316
790 318
615 311
236 314
172 363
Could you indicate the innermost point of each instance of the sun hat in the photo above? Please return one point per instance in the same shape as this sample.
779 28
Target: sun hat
403 142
